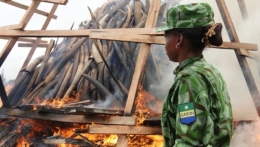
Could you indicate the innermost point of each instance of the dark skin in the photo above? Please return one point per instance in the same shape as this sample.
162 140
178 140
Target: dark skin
184 51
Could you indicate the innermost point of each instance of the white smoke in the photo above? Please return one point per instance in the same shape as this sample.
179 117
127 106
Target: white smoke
247 135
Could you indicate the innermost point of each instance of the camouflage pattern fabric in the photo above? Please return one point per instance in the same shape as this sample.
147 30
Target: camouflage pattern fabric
188 16
199 83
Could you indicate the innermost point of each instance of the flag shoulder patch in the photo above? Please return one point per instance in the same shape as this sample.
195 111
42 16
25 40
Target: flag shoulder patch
187 113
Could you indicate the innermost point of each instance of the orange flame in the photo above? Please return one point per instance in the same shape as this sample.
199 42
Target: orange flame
22 142
66 130
142 111
8 89
145 140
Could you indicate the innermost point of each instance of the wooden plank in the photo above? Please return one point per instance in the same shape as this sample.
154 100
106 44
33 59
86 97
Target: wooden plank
31 45
44 27
84 102
144 36
236 45
110 120
77 142
153 121
92 111
3 95
11 42
13 27
241 59
116 129
23 39
228 21
151 39
10 139
70 110
140 65
136 31
62 2
142 56
72 33
243 10
22 6
116 36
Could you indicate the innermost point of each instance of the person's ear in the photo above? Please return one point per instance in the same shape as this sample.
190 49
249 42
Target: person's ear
179 40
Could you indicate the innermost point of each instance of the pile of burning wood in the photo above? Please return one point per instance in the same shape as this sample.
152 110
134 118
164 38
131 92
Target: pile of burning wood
83 75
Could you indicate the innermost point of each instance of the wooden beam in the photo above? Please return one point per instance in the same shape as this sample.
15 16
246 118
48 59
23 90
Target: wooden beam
230 28
135 31
73 33
11 42
70 109
243 10
13 27
116 129
12 137
84 102
142 36
236 45
22 6
153 121
110 120
44 27
140 66
151 39
31 45
142 56
62 2
76 142
241 59
91 111
23 39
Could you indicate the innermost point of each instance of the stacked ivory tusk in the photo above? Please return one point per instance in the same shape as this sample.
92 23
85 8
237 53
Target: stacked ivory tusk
75 69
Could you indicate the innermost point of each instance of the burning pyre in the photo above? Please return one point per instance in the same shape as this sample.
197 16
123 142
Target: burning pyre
43 131
74 71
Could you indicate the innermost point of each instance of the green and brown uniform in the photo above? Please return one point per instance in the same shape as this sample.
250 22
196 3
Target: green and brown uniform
197 110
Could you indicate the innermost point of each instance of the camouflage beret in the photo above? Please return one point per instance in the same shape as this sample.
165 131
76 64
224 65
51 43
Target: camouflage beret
188 16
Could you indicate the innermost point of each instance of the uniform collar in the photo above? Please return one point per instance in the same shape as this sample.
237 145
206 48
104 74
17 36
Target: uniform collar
186 62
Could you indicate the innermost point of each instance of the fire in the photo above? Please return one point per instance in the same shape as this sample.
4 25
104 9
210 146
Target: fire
145 141
22 142
57 103
64 130
103 140
67 130
142 111
8 89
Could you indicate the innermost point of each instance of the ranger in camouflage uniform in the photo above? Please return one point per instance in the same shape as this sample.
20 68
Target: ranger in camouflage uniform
197 110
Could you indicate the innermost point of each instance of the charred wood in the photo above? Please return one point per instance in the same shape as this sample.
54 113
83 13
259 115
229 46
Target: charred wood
70 118
12 137
78 142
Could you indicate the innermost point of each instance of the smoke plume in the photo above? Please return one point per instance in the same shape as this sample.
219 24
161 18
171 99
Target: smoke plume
247 135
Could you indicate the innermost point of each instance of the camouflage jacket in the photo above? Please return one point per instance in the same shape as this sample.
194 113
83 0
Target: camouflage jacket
197 110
